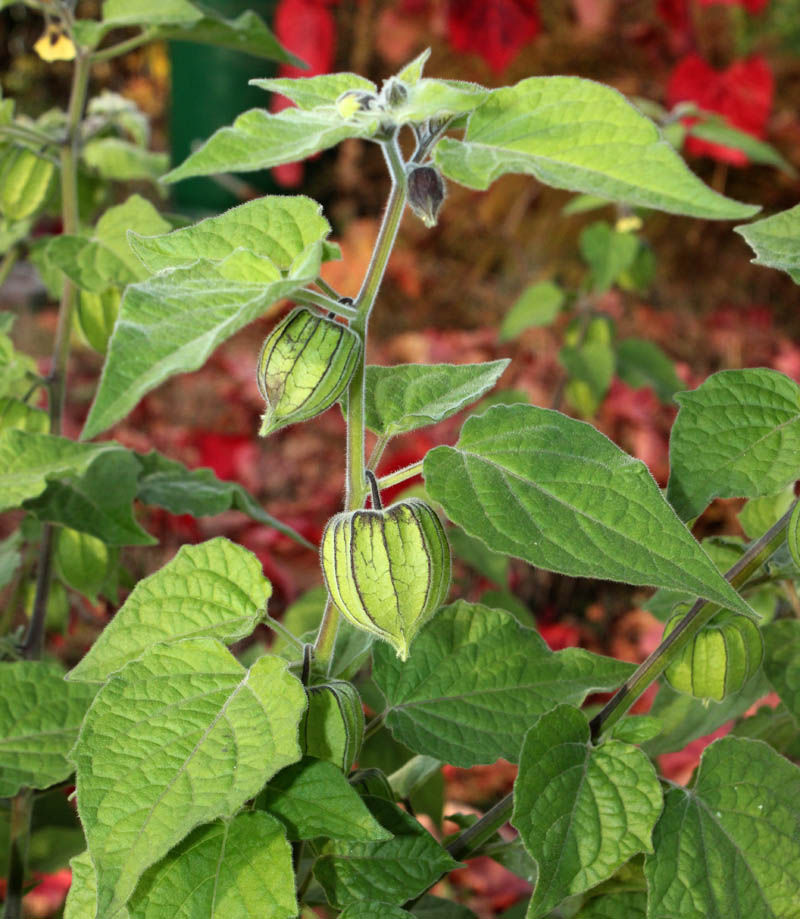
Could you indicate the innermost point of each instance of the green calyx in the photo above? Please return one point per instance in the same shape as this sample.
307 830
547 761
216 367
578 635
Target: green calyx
720 659
333 725
387 571
305 365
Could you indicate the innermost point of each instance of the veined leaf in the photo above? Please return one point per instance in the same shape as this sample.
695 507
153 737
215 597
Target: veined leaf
579 135
215 589
782 661
179 737
556 492
736 436
776 241
475 680
312 92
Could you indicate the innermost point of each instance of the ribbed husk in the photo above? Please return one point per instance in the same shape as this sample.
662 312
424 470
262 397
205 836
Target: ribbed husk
305 365
720 659
333 725
387 571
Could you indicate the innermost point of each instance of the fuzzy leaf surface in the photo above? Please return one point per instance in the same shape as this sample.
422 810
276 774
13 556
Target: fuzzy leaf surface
736 436
782 661
582 811
475 680
556 492
409 396
776 241
215 589
312 92
579 135
729 846
179 737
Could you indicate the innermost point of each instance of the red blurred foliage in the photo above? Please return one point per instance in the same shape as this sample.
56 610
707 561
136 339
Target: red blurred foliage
494 29
752 6
742 94
677 13
494 887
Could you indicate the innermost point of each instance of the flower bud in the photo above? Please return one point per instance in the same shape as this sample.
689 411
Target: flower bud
395 92
721 658
387 571
305 365
355 100
333 725
425 193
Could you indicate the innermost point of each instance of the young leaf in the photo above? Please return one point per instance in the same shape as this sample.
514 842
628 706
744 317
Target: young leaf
439 99
642 363
410 396
607 252
537 305
40 715
582 811
556 492
729 845
579 135
394 870
313 798
776 241
782 661
736 436
179 737
475 680
214 589
229 869
312 92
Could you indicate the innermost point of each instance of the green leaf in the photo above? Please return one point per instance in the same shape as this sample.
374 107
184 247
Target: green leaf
492 565
40 715
229 869
538 305
556 492
579 135
607 252
782 661
438 99
394 870
582 811
642 363
14 413
775 726
627 904
412 72
729 845
81 902
120 160
776 241
313 798
718 131
430 907
636 729
118 13
372 909
759 514
28 461
410 396
736 436
215 589
172 322
312 92
475 680
181 736
99 502
590 367
169 484
82 561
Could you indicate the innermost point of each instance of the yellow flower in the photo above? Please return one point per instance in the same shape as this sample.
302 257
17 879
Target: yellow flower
55 45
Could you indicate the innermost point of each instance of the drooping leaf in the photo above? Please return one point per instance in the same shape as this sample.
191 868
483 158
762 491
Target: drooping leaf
229 869
576 134
313 798
776 241
556 492
538 305
782 661
475 680
728 846
312 92
642 363
409 396
394 870
736 435
582 811
607 252
40 715
179 737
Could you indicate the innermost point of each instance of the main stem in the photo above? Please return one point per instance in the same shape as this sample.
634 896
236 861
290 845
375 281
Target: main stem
356 462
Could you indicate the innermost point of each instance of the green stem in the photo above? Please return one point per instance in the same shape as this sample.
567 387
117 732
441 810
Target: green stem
123 47
326 288
281 629
400 475
9 260
377 451
314 298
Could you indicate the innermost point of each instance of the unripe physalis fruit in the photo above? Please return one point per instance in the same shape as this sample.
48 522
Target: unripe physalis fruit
425 193
720 659
387 571
305 366
333 725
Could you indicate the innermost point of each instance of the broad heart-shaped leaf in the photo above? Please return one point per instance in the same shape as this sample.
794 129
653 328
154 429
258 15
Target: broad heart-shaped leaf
556 492
229 869
279 227
730 845
99 502
172 322
736 436
313 798
776 241
582 811
179 737
409 396
475 680
579 135
215 589
40 715
393 871
782 661
169 484
312 92
29 460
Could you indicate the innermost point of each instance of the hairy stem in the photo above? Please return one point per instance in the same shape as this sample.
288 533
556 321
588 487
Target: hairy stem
123 47
400 475
315 298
